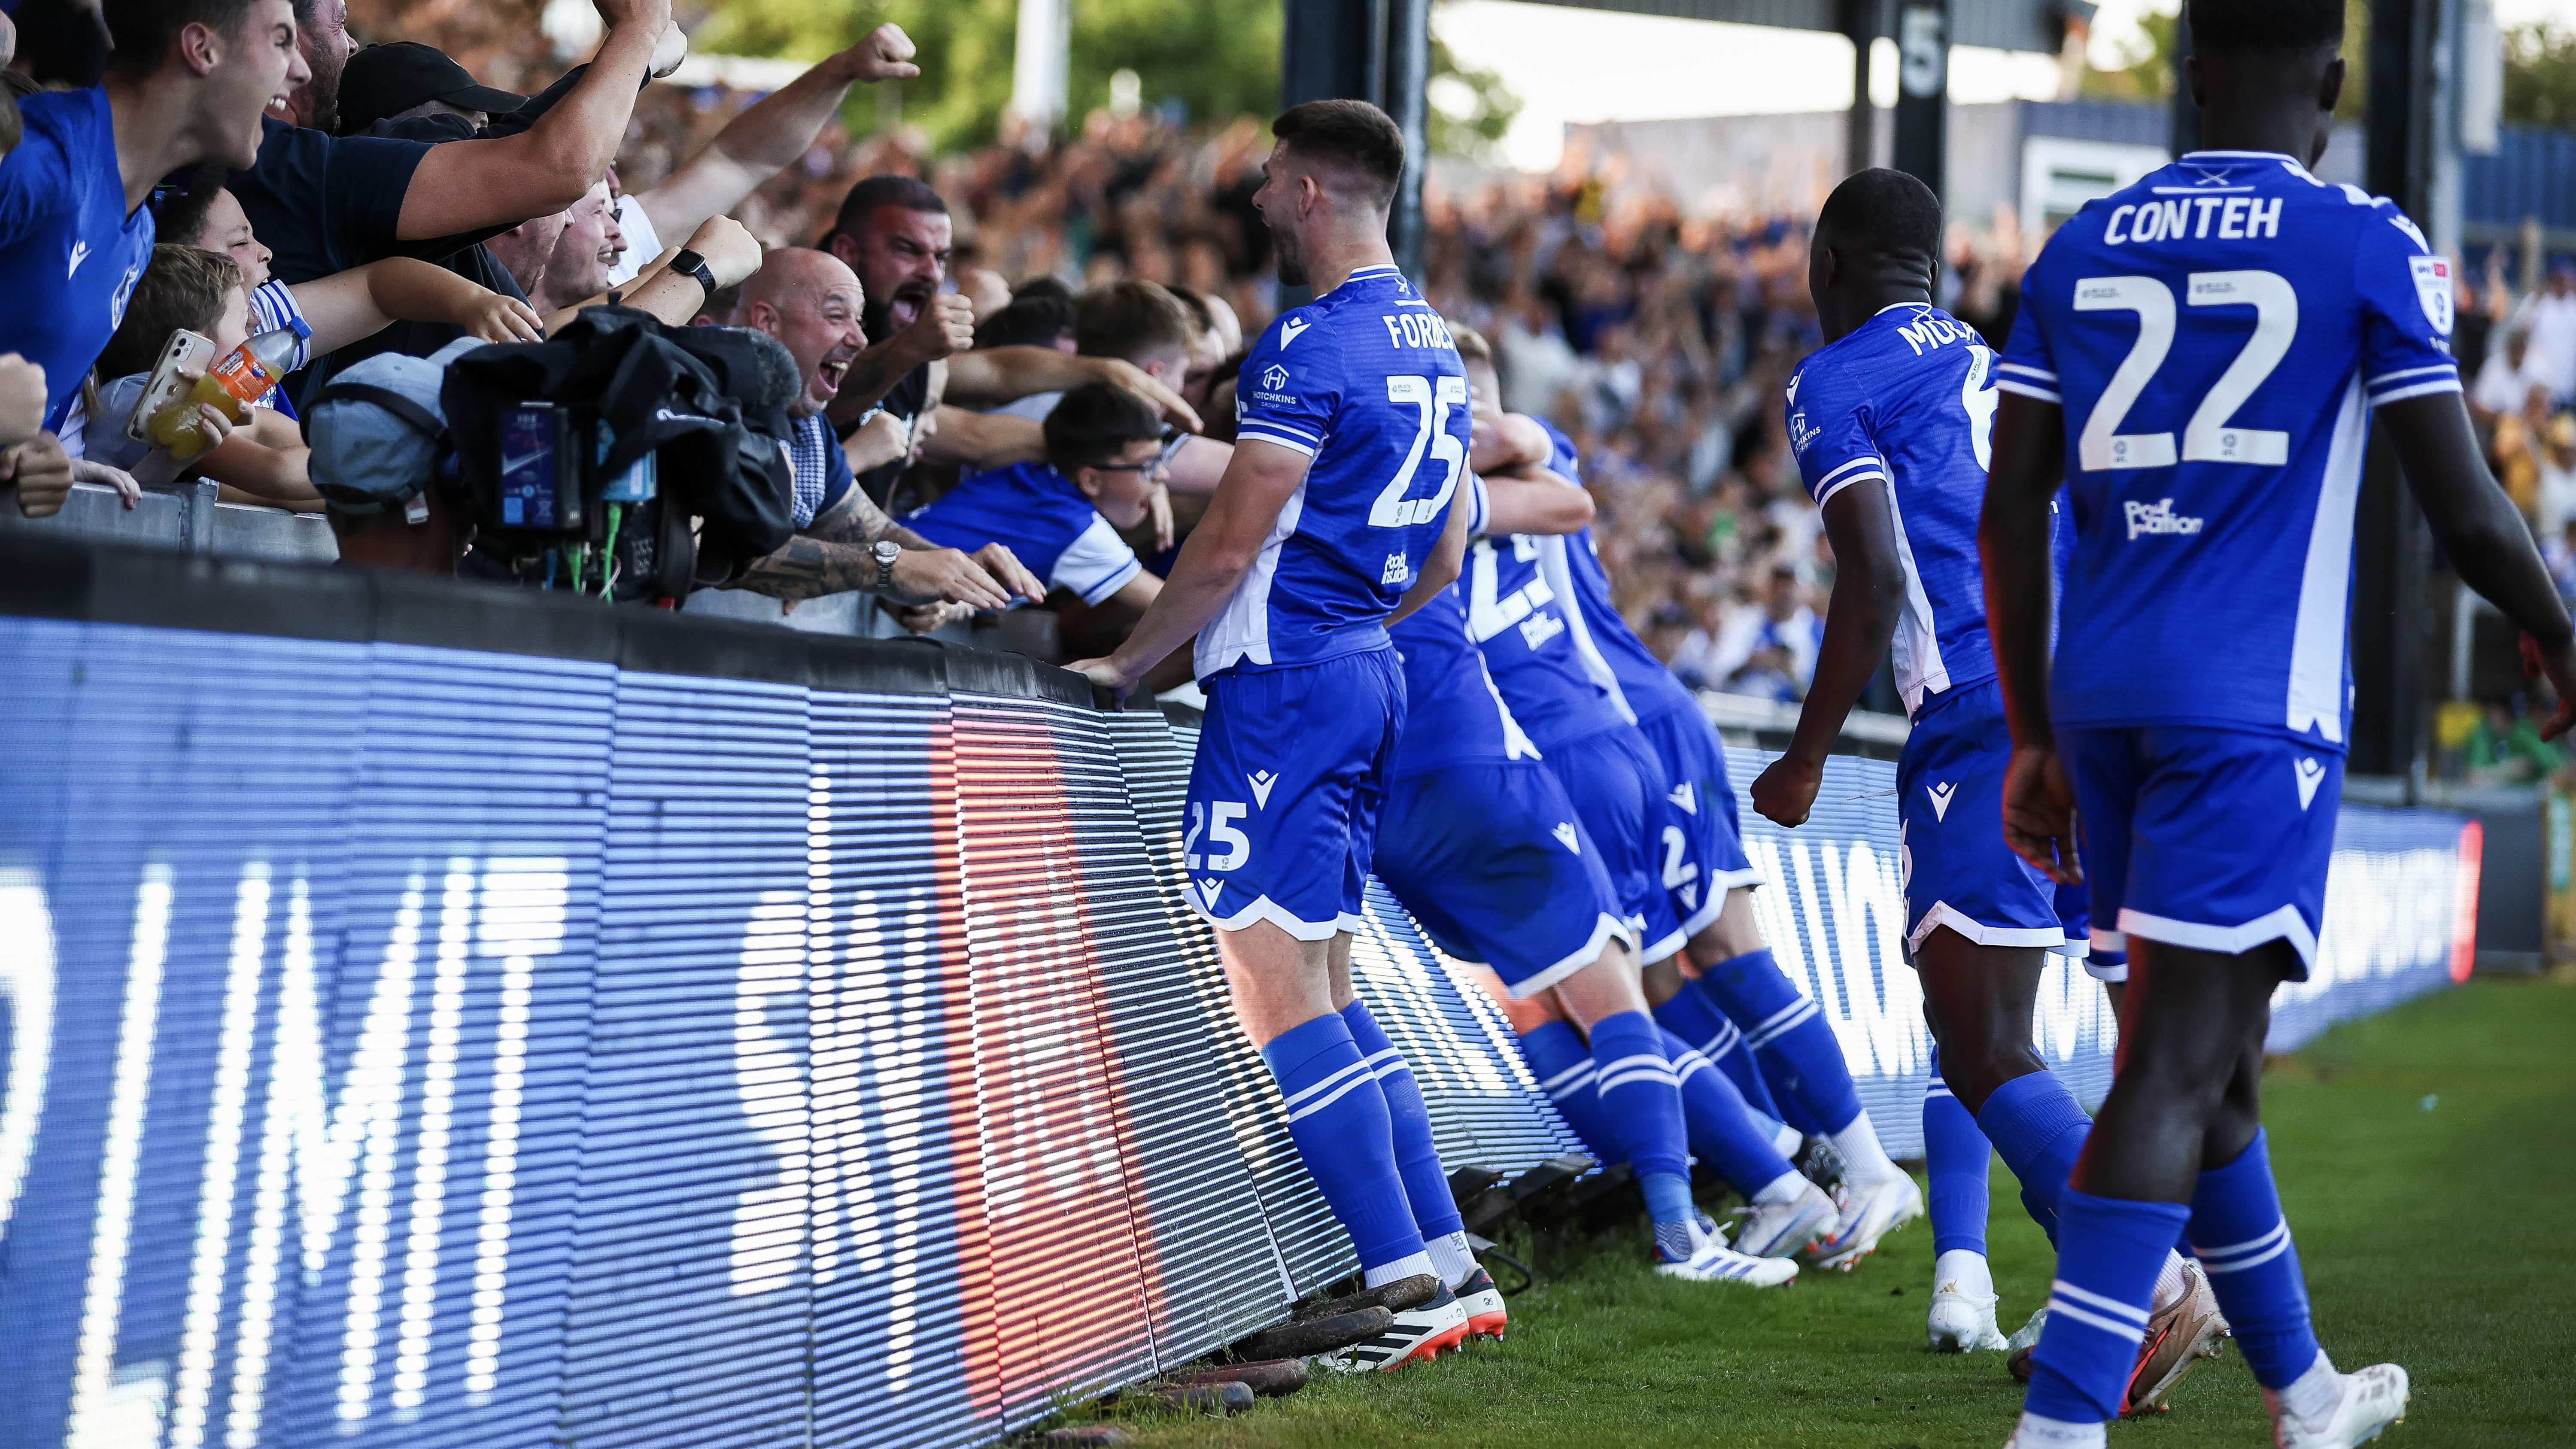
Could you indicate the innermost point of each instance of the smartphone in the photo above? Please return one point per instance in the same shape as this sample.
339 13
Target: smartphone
187 352
536 466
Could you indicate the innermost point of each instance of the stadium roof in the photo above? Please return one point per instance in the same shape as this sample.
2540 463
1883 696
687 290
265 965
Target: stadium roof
2037 25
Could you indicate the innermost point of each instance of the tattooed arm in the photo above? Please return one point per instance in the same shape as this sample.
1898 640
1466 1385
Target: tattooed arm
833 555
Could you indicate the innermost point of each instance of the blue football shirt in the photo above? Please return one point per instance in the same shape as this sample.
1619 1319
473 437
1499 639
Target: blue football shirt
1365 381
1043 518
1907 400
69 252
1636 682
1518 614
2218 334
1452 713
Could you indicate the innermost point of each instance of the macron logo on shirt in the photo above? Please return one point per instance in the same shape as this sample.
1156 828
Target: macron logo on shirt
1289 329
80 254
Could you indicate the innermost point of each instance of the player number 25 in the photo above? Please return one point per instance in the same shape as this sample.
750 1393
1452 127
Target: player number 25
2207 438
1435 396
1219 820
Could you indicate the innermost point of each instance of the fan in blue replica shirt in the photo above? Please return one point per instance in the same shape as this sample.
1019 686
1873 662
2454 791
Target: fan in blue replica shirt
1892 425
1061 517
1333 519
1656 798
1482 844
187 83
2197 360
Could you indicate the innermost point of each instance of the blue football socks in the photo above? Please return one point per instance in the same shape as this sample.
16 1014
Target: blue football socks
1695 1019
1721 1133
1557 1056
1955 1154
1339 1119
1790 1038
1641 1103
1417 1160
2243 1244
2037 1127
2109 1253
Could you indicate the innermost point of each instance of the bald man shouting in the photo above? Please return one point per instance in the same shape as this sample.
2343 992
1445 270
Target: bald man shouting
810 301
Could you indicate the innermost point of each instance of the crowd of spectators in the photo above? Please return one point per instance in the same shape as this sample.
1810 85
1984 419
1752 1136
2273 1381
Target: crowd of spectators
1660 342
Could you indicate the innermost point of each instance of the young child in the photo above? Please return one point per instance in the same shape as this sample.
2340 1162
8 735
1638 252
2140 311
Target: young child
1104 456
210 275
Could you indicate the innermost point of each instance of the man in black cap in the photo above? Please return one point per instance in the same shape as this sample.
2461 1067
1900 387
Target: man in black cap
406 78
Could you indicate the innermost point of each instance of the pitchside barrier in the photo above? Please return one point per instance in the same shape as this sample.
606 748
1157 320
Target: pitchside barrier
443 1016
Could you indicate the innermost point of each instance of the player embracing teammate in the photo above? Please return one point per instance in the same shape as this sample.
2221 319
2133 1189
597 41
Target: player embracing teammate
2197 361
1334 519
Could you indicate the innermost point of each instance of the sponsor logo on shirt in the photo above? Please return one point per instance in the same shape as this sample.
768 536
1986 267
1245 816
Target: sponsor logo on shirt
1800 433
1274 377
1398 570
1540 627
2158 517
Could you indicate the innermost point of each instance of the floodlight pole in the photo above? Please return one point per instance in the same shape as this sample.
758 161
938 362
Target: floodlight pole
1923 89
1370 50
2391 615
1861 24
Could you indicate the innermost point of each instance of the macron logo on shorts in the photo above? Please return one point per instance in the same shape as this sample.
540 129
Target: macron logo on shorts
1261 781
1686 797
1941 800
1567 836
2311 775
1207 893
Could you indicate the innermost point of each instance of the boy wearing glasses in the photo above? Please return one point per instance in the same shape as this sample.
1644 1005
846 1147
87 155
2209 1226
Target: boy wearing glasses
1062 517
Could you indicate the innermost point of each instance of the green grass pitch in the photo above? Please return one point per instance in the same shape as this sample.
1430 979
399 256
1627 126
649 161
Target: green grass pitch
2428 1162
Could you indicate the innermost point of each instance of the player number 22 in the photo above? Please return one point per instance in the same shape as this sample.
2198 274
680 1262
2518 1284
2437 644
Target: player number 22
1435 396
2103 448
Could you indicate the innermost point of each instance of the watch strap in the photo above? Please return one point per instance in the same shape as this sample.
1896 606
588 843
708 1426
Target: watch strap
689 264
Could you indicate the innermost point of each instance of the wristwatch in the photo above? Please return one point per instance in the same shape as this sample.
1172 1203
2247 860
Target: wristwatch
690 264
886 552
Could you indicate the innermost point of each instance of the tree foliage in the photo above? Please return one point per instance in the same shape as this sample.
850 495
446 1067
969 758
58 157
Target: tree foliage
1468 110
1216 58
2540 76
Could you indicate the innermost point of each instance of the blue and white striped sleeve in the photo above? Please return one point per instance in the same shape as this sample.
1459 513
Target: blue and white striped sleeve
2026 366
2406 300
1830 435
1284 399
273 306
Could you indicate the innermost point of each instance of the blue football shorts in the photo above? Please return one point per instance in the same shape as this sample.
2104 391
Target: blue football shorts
1285 791
2104 954
2215 839
1699 813
1494 862
1950 815
1616 784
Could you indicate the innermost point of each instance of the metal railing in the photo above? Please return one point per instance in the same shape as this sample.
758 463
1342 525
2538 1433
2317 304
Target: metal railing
186 516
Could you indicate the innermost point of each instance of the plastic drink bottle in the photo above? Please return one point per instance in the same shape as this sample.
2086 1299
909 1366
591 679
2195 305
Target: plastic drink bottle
236 380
